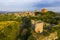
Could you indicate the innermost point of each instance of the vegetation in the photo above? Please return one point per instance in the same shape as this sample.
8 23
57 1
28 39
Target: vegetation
13 27
9 30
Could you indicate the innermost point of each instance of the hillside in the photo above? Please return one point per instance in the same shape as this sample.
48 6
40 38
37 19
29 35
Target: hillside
21 26
9 30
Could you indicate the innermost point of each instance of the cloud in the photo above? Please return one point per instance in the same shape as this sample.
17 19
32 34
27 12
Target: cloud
18 5
53 5
55 9
50 1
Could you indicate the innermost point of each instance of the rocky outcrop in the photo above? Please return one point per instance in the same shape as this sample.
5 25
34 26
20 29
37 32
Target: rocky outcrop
52 36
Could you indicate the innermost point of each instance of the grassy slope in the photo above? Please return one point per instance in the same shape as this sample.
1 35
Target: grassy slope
9 30
58 32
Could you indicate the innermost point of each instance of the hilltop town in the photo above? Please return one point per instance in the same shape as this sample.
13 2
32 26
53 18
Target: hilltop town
31 13
36 25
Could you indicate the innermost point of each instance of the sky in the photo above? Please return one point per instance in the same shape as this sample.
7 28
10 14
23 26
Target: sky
29 5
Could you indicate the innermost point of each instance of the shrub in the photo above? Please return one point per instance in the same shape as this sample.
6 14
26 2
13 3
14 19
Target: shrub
10 30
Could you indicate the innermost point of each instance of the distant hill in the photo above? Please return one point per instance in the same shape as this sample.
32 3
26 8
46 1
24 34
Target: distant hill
2 11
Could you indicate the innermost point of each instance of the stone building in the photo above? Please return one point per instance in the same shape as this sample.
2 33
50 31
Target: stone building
25 14
44 10
38 26
31 14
